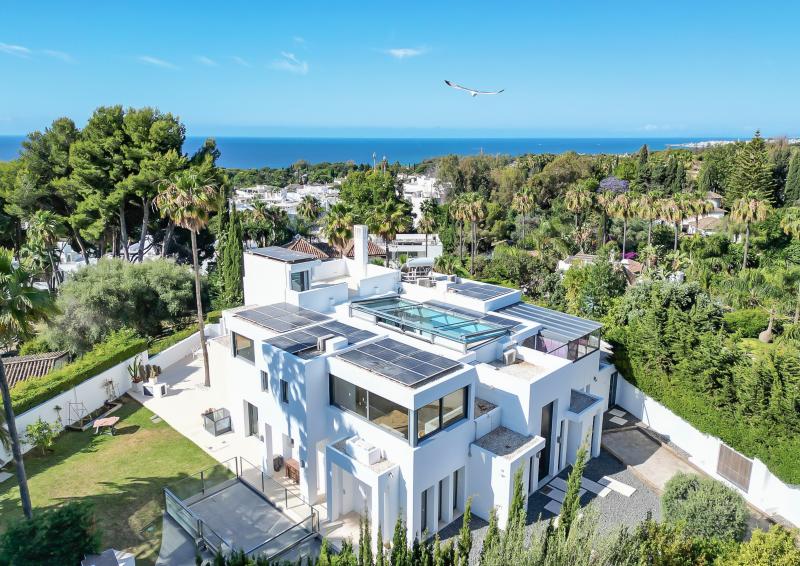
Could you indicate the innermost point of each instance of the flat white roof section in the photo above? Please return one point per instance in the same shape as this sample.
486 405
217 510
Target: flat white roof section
506 443
558 323
580 401
480 291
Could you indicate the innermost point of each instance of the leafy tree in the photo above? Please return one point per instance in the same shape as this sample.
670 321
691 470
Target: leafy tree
188 198
590 289
56 537
705 506
791 194
41 434
776 547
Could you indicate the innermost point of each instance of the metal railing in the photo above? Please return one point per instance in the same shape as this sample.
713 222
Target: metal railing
194 525
285 539
278 494
205 481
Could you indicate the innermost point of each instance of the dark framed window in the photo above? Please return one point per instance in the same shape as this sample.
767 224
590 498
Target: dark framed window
264 381
442 413
244 348
376 409
284 391
300 281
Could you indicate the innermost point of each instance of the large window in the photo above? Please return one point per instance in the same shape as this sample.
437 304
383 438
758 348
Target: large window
243 348
441 413
357 400
300 281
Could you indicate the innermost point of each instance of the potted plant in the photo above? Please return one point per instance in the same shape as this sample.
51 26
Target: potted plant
137 377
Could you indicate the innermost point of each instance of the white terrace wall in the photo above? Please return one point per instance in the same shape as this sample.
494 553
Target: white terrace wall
765 492
93 392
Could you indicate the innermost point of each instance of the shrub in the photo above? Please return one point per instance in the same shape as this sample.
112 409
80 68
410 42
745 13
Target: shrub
36 345
748 322
162 344
706 507
776 547
118 347
55 537
41 434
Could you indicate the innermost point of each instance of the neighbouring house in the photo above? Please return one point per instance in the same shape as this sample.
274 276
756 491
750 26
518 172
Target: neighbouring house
630 267
325 251
20 368
413 246
402 400
705 225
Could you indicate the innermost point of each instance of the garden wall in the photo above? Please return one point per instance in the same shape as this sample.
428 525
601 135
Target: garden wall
93 392
765 491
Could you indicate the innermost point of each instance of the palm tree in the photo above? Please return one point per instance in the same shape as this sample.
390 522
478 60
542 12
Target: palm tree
748 209
622 207
758 288
44 228
21 306
337 226
647 209
699 206
522 203
309 208
278 220
457 211
673 210
578 199
475 212
187 199
604 202
387 219
427 224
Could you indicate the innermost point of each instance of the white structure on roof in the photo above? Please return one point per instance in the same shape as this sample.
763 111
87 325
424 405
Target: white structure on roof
403 399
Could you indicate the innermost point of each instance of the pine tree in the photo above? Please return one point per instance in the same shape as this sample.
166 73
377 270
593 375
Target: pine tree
572 499
464 545
792 192
752 173
491 542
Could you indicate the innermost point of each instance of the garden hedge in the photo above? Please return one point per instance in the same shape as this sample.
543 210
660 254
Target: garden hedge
119 346
162 344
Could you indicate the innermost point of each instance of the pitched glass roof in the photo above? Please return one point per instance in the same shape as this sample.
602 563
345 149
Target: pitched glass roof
558 324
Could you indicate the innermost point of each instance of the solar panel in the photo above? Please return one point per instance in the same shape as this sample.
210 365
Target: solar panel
281 317
399 362
564 325
482 291
306 339
282 254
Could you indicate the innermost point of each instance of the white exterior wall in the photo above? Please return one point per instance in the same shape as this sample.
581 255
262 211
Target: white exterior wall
765 492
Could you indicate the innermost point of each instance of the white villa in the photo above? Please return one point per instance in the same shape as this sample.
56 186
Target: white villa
398 399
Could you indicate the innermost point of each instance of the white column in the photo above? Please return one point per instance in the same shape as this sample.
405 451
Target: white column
597 434
562 445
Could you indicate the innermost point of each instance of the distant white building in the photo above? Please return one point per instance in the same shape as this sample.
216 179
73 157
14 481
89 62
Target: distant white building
413 246
419 188
404 399
709 223
287 198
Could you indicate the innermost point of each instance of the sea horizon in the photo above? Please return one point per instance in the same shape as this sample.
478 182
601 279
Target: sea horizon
246 152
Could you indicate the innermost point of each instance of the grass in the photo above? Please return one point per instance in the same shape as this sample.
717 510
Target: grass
122 476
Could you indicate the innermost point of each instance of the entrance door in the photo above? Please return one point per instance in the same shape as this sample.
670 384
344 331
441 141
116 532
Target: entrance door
546 433
252 419
612 390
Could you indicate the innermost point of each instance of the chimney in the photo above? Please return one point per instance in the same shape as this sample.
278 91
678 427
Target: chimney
360 248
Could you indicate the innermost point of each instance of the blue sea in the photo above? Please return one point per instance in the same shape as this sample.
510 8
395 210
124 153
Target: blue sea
250 152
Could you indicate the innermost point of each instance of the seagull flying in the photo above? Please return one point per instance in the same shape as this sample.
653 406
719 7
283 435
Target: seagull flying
471 91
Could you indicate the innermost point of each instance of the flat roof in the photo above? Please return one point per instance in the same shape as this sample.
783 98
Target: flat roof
506 443
560 324
400 362
580 401
480 291
281 317
282 254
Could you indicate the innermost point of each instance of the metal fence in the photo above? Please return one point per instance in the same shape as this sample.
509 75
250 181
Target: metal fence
206 481
194 525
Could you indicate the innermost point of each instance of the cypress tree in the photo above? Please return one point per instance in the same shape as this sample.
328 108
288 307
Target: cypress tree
491 541
399 543
572 499
464 545
512 546
233 261
792 191
380 557
415 558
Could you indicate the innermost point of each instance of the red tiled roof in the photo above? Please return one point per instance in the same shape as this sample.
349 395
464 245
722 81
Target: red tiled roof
321 250
373 249
20 368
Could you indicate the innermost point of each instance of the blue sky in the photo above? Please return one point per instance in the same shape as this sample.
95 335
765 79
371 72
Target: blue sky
594 68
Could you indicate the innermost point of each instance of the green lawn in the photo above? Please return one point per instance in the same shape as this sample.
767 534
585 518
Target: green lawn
122 476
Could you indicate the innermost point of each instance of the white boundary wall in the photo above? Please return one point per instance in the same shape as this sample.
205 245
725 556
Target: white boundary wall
766 492
93 393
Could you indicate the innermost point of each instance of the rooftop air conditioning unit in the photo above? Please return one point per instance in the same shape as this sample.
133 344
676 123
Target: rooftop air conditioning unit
510 356
322 339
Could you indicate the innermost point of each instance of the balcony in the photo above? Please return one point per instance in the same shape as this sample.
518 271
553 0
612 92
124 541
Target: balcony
572 350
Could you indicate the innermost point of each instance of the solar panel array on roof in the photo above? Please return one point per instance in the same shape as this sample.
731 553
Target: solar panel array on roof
281 317
399 362
558 323
282 254
480 291
306 339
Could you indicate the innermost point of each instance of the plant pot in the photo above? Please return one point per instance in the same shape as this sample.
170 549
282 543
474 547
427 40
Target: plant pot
137 386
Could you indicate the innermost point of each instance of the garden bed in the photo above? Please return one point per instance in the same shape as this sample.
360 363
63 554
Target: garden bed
107 408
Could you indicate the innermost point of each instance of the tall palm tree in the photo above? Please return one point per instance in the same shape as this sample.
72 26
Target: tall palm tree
337 226
458 208
21 306
278 220
578 199
605 201
188 198
427 224
522 203
748 209
388 219
309 208
44 228
699 206
475 212
622 207
647 209
673 210
790 222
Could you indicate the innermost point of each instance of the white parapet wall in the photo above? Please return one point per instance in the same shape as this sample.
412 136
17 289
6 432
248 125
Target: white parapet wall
185 347
765 492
